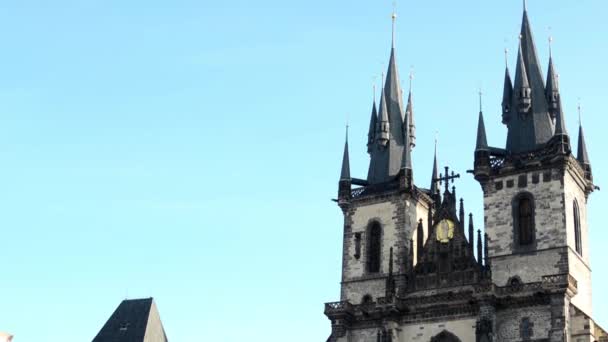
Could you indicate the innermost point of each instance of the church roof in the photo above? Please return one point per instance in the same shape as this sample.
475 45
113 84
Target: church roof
135 320
534 129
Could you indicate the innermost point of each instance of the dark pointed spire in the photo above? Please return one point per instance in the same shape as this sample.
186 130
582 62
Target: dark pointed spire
522 84
373 122
482 141
552 91
582 156
435 186
461 214
406 160
507 95
409 115
345 172
530 124
394 98
383 131
471 233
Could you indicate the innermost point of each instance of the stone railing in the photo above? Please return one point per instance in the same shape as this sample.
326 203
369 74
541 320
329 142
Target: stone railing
374 188
338 307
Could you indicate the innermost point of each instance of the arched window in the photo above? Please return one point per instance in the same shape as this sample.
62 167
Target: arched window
374 248
577 229
445 336
523 217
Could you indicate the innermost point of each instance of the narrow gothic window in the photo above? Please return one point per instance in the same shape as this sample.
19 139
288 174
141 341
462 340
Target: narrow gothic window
419 240
525 221
526 329
577 229
373 248
357 245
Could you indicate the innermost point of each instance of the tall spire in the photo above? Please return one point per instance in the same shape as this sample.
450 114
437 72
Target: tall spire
345 172
522 84
552 91
383 121
482 141
507 95
390 136
373 122
471 233
409 114
406 161
582 155
435 186
530 124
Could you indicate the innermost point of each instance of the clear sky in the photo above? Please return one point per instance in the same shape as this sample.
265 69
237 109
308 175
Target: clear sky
189 150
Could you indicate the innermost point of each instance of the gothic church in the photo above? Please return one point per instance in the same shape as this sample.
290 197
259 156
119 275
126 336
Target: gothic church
414 269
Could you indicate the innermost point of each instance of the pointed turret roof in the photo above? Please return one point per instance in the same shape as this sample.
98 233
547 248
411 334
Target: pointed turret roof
373 122
392 90
387 158
345 172
382 115
507 96
582 155
530 125
552 80
521 75
435 187
409 117
530 55
482 141
135 320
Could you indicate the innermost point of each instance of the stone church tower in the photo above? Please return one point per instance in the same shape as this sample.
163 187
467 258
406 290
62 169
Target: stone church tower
413 270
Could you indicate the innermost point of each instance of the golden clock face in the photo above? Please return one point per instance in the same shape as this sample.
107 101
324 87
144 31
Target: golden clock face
445 230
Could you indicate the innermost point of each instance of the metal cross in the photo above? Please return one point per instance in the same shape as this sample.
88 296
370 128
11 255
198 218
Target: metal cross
447 178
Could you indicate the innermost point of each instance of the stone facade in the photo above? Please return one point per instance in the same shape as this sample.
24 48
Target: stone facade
528 278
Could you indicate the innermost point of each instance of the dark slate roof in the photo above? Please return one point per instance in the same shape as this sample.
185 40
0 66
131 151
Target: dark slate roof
373 121
533 130
482 141
582 155
135 320
552 81
345 172
507 95
387 159
435 187
409 117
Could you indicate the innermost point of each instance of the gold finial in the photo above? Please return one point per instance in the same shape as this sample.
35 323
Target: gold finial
506 57
480 99
525 5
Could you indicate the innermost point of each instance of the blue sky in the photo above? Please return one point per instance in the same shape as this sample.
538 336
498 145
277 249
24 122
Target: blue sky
188 150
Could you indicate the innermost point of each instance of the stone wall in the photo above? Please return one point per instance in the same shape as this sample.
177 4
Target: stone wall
398 215
509 322
547 189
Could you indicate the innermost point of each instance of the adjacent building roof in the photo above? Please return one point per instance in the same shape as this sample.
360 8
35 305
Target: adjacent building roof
135 320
